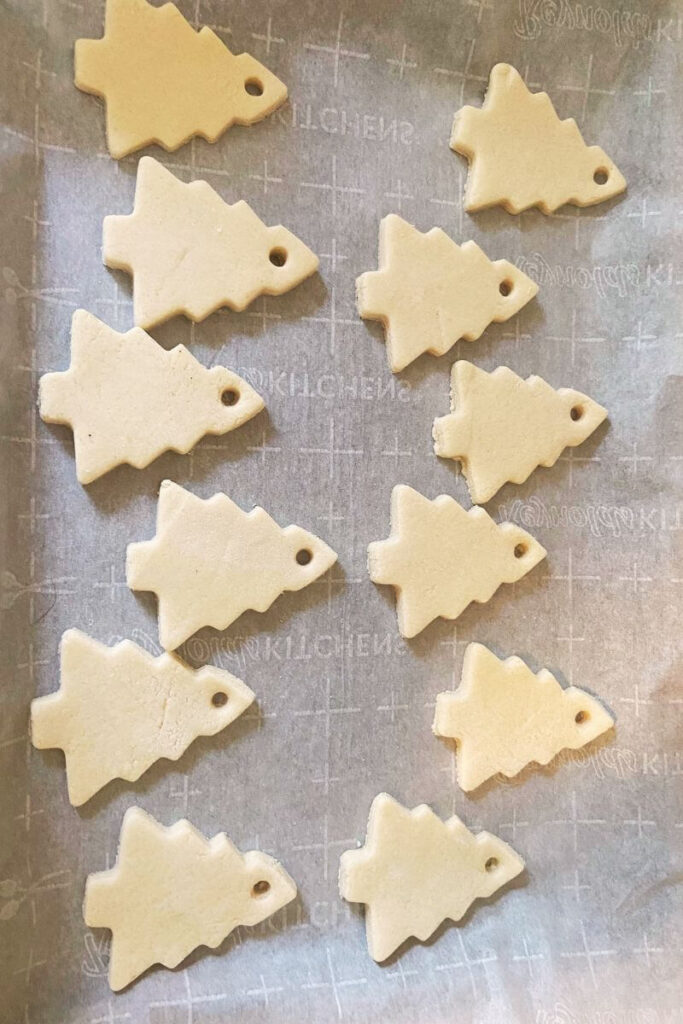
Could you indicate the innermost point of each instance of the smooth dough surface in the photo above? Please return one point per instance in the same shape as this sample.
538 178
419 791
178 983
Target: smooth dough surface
190 252
504 717
440 557
416 870
502 427
173 890
429 291
521 154
210 561
119 709
164 82
127 399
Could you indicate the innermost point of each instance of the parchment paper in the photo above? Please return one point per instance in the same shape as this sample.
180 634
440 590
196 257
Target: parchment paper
588 935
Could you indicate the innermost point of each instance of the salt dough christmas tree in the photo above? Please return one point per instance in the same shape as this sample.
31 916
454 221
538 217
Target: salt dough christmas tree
440 557
128 400
164 82
502 427
119 709
416 870
173 890
210 561
504 716
521 154
429 291
190 252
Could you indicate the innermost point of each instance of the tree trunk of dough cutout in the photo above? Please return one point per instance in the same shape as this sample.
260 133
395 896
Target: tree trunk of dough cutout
164 82
504 717
210 561
429 291
416 871
440 557
521 154
173 890
190 252
127 399
502 427
119 709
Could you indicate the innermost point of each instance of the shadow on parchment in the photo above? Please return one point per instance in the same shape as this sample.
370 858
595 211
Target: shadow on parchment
292 915
239 633
256 321
477 907
427 366
495 218
441 630
233 734
122 485
546 770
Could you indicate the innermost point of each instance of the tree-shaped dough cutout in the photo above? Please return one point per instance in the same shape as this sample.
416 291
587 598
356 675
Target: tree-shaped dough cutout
190 252
119 709
210 561
502 427
416 871
127 399
164 82
172 890
504 717
521 154
440 557
429 292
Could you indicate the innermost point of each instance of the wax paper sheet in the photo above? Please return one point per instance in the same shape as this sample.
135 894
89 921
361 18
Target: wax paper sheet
588 934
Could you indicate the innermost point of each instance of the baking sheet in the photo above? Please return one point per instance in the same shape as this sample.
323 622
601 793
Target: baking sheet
588 935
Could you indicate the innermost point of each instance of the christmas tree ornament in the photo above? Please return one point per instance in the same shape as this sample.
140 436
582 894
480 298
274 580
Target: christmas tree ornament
127 399
440 557
521 154
416 871
429 291
173 890
502 427
503 717
119 709
190 252
210 561
164 82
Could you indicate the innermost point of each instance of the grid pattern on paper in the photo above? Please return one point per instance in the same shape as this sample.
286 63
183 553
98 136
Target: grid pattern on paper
344 705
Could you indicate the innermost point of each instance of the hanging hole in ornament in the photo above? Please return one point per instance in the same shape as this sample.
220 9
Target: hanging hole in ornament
581 717
278 256
254 86
304 556
520 550
601 176
505 287
219 699
230 396
491 864
260 888
576 412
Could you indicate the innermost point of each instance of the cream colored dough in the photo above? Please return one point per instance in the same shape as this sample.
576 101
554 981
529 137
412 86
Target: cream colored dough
173 890
504 717
429 291
416 870
127 400
440 557
119 709
521 154
502 427
210 561
164 82
190 252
